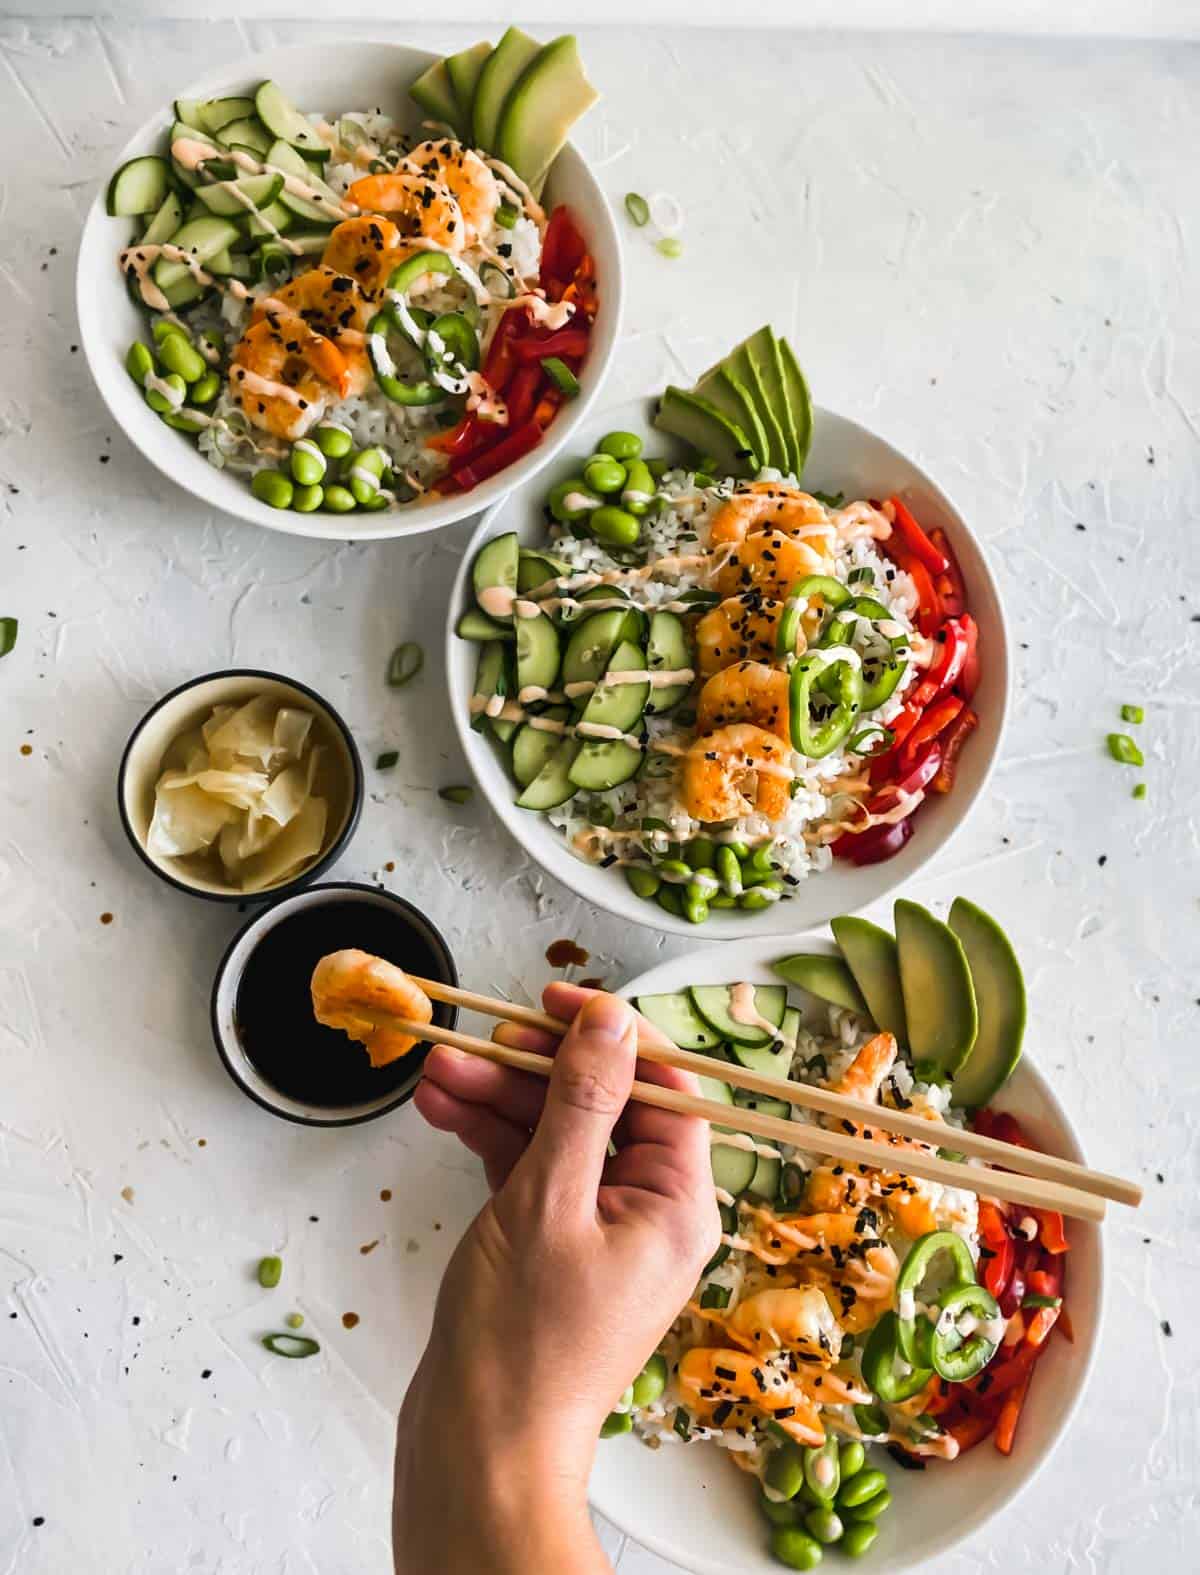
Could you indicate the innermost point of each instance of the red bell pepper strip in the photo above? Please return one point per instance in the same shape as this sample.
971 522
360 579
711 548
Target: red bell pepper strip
457 441
916 541
874 845
998 1269
1052 1232
563 247
510 449
564 342
929 605
500 363
952 741
971 1430
949 583
1010 1414
935 721
1045 1282
521 394
955 647
1040 1325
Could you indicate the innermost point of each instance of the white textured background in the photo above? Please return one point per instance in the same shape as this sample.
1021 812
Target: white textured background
988 250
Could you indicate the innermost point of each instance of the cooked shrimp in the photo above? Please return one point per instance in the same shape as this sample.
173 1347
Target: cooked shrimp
769 505
427 206
363 996
468 177
332 304
770 561
711 1376
366 250
795 1318
739 629
749 692
282 374
740 770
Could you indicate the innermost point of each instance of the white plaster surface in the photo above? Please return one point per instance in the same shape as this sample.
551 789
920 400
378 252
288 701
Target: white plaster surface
985 248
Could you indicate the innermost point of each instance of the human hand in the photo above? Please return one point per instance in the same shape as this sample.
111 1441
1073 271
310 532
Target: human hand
575 1268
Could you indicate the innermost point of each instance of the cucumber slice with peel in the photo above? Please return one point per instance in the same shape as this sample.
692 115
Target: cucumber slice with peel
165 222
615 704
250 135
764 1183
492 678
715 1004
232 199
552 786
215 113
676 1017
282 156
538 568
494 576
187 110
667 650
270 221
605 763
537 653
533 746
733 1167
590 648
284 121
474 625
139 186
202 239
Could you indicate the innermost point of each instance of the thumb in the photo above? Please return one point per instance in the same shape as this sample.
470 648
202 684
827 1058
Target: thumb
589 1087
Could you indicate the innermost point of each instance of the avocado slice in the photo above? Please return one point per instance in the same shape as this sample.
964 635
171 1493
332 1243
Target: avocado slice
434 93
709 431
463 70
722 388
768 374
545 102
872 957
799 403
496 80
828 978
939 998
738 365
1000 998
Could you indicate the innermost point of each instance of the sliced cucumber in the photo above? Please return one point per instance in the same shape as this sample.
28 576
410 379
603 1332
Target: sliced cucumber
537 568
537 652
728 1228
774 1059
282 156
203 239
591 646
165 222
216 113
552 786
492 678
284 121
765 1181
307 243
250 135
139 186
715 1089
675 1016
234 198
495 569
187 110
186 292
605 763
533 746
667 650
763 1104
232 265
474 625
733 1168
271 221
614 704
714 1003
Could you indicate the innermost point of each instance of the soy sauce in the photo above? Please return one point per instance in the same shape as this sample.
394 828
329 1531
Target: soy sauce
274 1016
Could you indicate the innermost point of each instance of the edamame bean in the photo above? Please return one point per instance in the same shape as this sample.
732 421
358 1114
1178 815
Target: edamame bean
273 488
374 504
163 327
335 442
857 1539
638 492
651 1381
270 1272
754 901
615 526
674 869
861 1487
786 1513
722 900
139 362
669 900
306 499
695 909
853 1459
582 501
795 1548
603 474
740 850
702 853
643 883
771 887
620 445
182 422
365 473
703 884
730 871
625 1403
785 1471
824 1524
616 1423
159 402
177 354
307 463
339 500
758 863
205 389
658 468
872 1509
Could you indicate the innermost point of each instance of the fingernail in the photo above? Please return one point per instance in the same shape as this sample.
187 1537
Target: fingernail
608 1015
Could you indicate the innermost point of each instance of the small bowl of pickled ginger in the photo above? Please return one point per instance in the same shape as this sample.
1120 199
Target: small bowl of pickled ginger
240 785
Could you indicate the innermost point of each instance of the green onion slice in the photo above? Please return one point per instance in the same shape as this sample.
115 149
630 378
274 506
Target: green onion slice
669 246
1134 714
507 215
561 375
885 735
406 662
456 795
1140 790
715 1296
387 760
270 1272
1033 1300
496 281
351 135
682 1423
864 574
8 635
637 208
294 1346
1123 749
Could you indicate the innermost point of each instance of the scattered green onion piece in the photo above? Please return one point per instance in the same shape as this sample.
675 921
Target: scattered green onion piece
379 167
351 135
1123 749
387 760
507 215
834 500
953 1155
886 739
715 1296
456 795
294 1346
294 1320
270 1272
8 635
682 1423
1033 1300
858 576
669 246
407 661
561 375
1140 790
637 208
495 279
1133 713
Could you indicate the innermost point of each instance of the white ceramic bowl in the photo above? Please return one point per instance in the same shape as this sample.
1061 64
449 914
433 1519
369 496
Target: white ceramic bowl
845 456
693 1506
333 75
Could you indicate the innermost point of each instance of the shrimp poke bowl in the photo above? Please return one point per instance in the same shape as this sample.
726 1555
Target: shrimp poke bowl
356 280
870 1364
716 675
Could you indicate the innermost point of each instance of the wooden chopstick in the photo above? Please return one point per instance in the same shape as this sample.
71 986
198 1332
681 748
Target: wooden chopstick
1028 1162
1012 1188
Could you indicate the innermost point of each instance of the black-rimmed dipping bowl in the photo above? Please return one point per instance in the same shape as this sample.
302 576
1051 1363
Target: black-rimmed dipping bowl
186 707
272 1046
